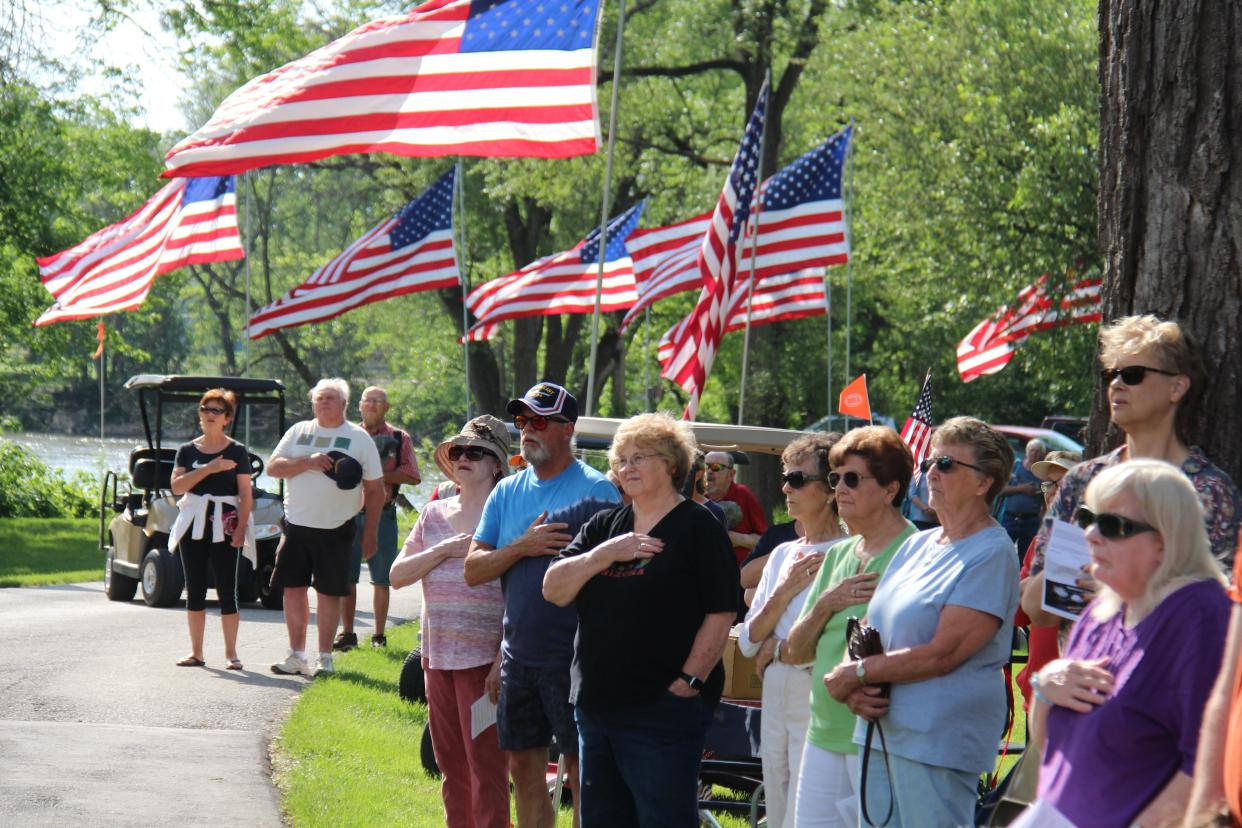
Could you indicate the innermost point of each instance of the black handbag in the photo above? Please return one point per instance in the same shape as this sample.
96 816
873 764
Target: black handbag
862 641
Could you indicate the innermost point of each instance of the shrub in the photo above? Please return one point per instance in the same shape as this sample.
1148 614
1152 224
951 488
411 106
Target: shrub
29 488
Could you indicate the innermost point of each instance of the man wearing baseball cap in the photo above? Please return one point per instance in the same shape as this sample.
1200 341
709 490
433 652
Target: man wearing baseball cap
513 543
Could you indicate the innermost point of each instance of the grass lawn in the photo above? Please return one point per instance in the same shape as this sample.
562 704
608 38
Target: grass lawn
43 551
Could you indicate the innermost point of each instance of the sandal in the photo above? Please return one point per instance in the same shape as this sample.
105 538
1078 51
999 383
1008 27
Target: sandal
233 664
191 661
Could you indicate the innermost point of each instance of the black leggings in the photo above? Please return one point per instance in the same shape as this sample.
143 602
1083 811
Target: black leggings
224 562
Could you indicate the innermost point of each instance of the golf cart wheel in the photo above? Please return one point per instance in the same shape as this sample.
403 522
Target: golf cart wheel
427 754
271 597
117 586
412 685
162 578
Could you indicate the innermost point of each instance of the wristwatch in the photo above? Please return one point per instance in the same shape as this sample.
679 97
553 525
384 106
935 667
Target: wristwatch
860 670
695 682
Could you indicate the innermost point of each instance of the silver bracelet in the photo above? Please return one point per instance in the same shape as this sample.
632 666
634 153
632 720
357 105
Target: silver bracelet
1039 694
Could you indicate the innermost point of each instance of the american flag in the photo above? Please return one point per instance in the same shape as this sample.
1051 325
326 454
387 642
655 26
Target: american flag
801 226
189 221
451 77
406 253
561 283
989 347
695 345
917 431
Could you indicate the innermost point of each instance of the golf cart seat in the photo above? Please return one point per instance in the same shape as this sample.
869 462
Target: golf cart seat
151 468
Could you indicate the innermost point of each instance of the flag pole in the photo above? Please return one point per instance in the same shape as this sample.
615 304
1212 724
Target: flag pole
459 199
245 242
754 244
603 212
647 360
849 240
828 314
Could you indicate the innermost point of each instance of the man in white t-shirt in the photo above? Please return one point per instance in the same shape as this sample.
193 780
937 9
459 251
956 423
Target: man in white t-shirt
332 468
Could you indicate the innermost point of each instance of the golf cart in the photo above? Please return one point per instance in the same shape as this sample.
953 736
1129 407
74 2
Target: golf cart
134 525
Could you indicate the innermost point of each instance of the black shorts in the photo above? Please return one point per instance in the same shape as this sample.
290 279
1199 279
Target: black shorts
533 707
314 557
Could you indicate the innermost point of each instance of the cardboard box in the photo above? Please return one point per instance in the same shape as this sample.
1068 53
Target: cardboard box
740 679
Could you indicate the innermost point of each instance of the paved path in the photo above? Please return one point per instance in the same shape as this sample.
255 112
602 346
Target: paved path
97 725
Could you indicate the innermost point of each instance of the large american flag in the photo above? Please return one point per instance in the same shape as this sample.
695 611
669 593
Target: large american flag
406 253
561 283
189 221
801 226
990 345
695 345
917 431
450 77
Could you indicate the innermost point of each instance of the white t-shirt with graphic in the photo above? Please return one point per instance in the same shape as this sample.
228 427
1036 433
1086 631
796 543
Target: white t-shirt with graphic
312 498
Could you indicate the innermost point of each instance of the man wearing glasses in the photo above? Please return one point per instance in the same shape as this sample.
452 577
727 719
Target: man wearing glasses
515 544
721 486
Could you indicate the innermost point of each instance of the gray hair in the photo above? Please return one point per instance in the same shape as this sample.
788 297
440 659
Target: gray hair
340 386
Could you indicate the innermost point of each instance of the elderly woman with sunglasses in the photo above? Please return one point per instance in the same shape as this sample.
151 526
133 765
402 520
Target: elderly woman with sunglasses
655 586
461 626
944 611
1153 372
1119 715
871 468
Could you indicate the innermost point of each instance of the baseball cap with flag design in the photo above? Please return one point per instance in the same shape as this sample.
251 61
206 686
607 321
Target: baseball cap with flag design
548 399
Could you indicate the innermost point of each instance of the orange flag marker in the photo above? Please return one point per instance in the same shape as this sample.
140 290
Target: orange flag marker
854 400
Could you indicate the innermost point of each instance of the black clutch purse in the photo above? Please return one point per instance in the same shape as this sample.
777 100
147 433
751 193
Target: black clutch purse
862 641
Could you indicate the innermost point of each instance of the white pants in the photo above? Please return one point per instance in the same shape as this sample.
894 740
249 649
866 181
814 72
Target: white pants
782 733
827 789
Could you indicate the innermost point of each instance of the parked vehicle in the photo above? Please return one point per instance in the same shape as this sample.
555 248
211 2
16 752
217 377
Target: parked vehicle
134 526
1019 436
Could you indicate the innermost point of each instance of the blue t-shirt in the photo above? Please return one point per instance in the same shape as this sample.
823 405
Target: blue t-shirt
537 633
1023 505
955 720
918 488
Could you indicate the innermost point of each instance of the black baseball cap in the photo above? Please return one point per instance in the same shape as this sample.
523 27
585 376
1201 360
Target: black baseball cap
548 399
346 471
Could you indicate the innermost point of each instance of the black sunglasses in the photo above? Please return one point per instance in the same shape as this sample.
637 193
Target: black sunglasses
1112 527
1132 374
536 421
473 453
211 409
797 478
945 464
851 479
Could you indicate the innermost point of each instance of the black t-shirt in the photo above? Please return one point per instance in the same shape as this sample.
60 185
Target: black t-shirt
774 537
637 620
190 457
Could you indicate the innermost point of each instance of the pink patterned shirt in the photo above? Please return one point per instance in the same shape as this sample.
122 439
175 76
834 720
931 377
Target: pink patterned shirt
461 624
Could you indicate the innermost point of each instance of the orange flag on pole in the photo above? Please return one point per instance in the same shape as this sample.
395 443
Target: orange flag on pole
854 401
99 336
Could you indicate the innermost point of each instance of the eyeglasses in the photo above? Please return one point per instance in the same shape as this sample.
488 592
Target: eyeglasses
797 478
1049 486
473 453
1112 527
1132 374
211 409
536 421
718 467
851 479
636 461
945 464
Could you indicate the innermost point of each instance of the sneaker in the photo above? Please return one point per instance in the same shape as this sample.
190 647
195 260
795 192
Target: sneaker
345 641
292 665
379 640
323 665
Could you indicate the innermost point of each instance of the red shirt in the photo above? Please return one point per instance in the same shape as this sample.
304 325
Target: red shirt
753 520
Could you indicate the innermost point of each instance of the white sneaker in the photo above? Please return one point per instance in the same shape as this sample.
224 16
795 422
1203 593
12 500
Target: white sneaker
293 665
323 665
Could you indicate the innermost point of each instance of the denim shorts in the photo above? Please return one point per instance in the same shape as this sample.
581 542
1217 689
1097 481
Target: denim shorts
385 549
534 706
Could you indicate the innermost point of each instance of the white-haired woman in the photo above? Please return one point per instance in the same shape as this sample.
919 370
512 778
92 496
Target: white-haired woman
655 585
1119 715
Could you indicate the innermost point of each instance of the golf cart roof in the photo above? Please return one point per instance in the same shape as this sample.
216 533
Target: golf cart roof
597 433
175 382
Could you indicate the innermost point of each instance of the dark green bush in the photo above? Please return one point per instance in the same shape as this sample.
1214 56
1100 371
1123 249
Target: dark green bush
29 488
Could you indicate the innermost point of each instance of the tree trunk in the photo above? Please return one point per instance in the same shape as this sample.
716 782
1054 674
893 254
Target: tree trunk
1171 190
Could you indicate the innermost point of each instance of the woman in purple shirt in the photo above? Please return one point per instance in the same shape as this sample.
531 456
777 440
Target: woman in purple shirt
1121 711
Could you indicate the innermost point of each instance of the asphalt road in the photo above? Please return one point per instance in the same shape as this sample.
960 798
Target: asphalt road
97 725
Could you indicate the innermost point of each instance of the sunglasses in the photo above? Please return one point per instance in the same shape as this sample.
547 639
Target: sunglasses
473 453
850 479
211 409
944 464
1132 374
536 421
719 467
1112 527
797 478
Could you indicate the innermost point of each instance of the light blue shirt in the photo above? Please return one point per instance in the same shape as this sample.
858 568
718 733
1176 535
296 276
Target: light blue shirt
918 488
956 720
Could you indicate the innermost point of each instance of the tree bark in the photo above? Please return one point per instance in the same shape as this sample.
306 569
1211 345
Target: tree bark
1170 207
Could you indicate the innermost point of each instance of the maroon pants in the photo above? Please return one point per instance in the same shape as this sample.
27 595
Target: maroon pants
476 781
